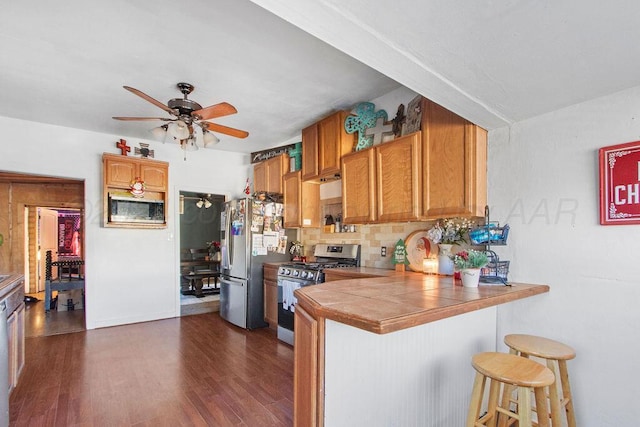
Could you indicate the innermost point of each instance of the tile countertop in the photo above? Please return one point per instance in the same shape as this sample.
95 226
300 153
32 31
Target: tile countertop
384 301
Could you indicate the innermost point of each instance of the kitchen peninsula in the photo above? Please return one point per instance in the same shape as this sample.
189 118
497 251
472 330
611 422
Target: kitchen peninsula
392 350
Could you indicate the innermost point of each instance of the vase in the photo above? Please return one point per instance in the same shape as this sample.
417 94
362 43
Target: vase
470 277
445 263
217 256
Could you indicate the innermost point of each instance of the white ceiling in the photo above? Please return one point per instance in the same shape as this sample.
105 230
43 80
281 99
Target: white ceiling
493 62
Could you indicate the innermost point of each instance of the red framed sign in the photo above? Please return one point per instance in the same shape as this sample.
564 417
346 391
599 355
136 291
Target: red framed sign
620 184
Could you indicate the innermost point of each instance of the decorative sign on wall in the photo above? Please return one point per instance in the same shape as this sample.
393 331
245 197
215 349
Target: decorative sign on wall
620 184
258 156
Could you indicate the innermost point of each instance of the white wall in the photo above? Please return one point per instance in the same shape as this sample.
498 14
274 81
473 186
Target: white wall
131 274
543 181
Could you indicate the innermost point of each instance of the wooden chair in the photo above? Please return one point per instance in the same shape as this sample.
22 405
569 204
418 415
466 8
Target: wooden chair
555 355
62 282
198 269
504 370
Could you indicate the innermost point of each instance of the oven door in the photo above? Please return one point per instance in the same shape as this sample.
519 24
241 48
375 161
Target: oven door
286 307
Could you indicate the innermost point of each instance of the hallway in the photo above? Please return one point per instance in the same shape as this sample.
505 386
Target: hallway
194 370
37 323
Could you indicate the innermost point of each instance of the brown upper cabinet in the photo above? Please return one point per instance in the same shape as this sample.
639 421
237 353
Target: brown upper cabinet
398 173
454 164
438 172
119 173
267 175
323 145
301 202
382 183
359 187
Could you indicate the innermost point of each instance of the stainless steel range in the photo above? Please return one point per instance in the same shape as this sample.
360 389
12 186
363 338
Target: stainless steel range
298 274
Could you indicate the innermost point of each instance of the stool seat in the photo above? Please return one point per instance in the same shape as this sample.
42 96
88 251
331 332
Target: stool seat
513 370
539 347
555 355
507 371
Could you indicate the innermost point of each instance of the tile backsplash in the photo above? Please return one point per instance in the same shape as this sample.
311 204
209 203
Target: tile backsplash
371 237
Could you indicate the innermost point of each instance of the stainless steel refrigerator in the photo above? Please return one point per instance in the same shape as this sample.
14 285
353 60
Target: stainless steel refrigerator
252 234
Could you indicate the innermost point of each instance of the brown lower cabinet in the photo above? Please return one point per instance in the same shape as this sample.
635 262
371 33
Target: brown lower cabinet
270 284
307 385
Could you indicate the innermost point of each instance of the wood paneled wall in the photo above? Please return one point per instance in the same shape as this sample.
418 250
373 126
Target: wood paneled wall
15 195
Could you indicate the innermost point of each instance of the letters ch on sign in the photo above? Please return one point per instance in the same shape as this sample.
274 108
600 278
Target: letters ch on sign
620 184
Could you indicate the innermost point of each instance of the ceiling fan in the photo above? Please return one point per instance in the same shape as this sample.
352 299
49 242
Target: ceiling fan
186 114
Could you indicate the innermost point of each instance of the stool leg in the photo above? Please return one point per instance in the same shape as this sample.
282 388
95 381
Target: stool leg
524 407
541 407
553 396
494 395
566 393
476 399
507 396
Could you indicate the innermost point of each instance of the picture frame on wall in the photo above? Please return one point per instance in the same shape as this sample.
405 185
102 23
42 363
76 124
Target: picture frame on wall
620 184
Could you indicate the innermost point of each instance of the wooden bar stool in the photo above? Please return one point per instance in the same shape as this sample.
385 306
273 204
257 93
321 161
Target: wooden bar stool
508 370
556 355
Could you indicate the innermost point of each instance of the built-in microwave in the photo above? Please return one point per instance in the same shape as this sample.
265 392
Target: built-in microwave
139 210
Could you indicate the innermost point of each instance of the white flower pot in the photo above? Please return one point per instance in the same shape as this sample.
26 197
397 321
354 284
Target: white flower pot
470 277
445 264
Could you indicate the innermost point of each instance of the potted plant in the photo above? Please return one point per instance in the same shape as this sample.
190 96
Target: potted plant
469 262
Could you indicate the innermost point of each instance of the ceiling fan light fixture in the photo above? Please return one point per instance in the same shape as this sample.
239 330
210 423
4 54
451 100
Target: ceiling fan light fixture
200 203
207 204
160 133
189 144
209 138
180 130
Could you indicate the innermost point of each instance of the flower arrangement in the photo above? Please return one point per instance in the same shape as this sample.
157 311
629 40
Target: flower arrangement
213 247
450 231
296 248
470 259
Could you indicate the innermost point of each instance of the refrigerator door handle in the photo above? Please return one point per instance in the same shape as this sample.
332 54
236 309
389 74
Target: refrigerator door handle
228 255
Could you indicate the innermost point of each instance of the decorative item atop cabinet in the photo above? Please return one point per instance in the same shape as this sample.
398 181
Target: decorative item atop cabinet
323 145
454 164
366 118
301 202
267 175
134 192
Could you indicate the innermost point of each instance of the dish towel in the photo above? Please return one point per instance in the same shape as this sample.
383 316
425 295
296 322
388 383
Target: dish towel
288 299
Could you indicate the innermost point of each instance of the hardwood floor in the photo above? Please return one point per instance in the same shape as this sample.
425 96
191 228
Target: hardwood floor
190 371
39 323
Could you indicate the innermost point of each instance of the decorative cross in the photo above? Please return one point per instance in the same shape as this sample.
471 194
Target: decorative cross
378 132
366 117
143 150
296 153
124 148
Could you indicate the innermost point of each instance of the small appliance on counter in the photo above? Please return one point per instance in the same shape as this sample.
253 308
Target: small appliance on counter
298 274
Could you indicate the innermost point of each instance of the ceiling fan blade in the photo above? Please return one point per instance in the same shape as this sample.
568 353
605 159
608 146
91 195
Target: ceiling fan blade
150 99
214 127
213 111
143 118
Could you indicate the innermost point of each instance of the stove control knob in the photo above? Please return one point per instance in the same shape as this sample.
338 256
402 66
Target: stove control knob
287 272
296 273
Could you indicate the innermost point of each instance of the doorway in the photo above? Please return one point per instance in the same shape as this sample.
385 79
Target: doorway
200 215
25 194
